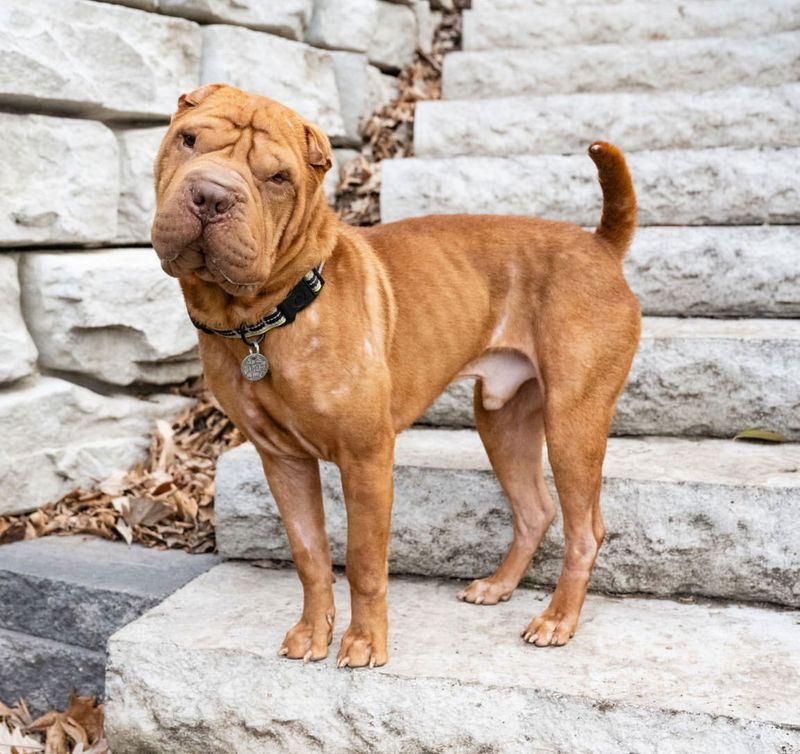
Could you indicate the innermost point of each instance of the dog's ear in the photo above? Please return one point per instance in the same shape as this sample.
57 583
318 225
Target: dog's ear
193 99
318 148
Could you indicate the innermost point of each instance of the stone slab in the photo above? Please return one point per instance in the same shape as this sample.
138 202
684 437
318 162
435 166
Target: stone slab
304 79
17 351
395 39
674 187
45 671
554 24
693 377
80 590
692 64
712 271
111 314
342 24
65 175
95 59
138 148
361 93
459 677
288 18
58 436
566 124
702 517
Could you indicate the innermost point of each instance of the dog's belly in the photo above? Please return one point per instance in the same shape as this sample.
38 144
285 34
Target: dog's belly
501 372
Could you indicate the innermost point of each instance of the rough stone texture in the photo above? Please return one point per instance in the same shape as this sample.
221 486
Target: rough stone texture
44 671
717 271
65 179
113 315
694 64
81 589
736 117
303 79
426 25
285 17
342 24
95 59
137 200
674 187
395 39
703 517
17 351
698 377
361 92
552 25
150 5
689 675
58 435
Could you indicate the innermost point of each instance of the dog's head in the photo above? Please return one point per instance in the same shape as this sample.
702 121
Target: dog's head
238 177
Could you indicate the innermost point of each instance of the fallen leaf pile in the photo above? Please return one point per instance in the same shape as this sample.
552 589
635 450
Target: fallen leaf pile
76 730
390 131
166 501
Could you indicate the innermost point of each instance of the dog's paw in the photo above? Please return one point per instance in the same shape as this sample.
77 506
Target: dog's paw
361 648
552 628
486 592
306 641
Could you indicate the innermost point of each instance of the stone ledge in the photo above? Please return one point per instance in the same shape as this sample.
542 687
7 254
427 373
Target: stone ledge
674 187
80 590
567 124
459 678
692 64
705 517
553 25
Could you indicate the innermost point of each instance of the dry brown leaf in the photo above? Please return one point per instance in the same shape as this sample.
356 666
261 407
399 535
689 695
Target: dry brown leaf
56 741
12 738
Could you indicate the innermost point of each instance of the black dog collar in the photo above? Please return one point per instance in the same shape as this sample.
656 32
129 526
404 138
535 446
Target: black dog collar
255 365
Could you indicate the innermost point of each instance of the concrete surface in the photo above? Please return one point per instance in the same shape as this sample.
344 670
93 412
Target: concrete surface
200 673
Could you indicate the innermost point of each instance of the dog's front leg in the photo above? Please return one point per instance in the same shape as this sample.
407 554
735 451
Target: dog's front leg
295 485
367 486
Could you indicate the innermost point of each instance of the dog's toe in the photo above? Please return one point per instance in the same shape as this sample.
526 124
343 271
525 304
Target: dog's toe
485 592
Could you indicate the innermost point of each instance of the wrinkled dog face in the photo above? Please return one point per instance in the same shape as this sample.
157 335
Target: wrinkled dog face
236 178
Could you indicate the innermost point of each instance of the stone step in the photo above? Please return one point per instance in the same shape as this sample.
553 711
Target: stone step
693 64
674 187
565 124
80 590
200 673
553 24
692 377
702 517
702 271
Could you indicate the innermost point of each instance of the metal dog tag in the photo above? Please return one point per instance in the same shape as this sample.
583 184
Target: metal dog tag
255 365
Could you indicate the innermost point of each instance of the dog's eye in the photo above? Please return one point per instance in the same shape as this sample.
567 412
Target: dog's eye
278 178
189 140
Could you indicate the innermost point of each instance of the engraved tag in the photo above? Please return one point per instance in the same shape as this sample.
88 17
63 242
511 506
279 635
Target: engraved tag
255 366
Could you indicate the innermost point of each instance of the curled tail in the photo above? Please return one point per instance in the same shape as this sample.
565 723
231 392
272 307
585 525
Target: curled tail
618 222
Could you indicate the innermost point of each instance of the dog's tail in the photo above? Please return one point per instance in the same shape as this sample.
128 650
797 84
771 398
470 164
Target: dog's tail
618 222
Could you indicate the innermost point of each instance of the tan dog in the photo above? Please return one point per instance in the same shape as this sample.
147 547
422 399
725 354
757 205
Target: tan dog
537 311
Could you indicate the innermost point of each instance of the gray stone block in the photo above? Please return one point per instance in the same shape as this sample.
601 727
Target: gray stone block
692 64
44 671
342 24
361 93
79 590
65 174
459 677
704 517
138 148
717 271
395 39
555 24
567 124
112 315
95 59
696 377
293 73
17 351
285 17
58 436
674 187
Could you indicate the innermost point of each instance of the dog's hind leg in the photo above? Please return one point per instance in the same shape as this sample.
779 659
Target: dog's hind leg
512 436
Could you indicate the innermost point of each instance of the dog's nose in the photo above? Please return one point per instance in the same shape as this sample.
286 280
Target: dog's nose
211 200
